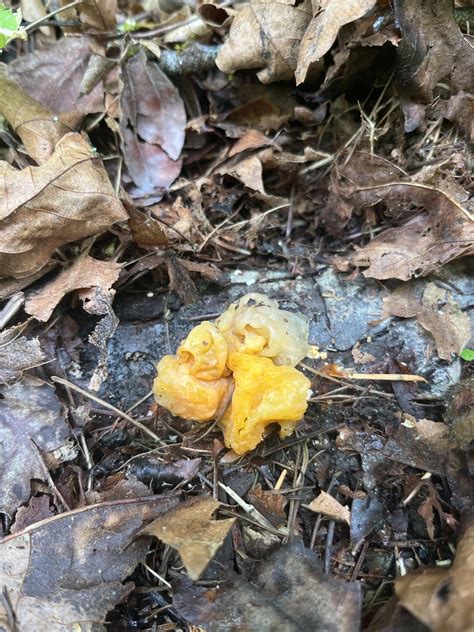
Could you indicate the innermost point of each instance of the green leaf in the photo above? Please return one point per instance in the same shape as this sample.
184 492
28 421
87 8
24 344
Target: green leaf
10 26
467 355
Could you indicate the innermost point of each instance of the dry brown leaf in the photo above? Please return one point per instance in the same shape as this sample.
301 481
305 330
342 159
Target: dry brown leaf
38 128
323 29
420 246
270 503
266 35
190 530
330 507
436 312
53 76
96 15
152 128
42 208
67 572
442 598
85 272
252 139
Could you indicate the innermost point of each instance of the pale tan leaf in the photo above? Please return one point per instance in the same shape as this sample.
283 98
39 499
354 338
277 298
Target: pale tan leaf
330 507
190 530
323 30
266 35
85 272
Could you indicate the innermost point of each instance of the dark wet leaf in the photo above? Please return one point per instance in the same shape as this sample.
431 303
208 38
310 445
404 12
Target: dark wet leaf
30 419
180 281
277 598
152 128
70 569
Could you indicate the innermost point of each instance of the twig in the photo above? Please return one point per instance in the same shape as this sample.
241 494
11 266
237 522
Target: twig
45 18
96 399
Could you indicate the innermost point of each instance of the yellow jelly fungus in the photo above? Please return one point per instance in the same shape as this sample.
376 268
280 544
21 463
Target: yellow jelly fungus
255 325
205 349
263 394
252 348
185 395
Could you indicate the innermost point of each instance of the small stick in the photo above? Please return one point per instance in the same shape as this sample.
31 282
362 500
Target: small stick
117 411
280 480
385 377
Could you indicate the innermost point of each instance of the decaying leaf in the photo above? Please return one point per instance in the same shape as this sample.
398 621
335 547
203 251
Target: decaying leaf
423 444
266 35
41 208
442 598
67 572
152 128
53 76
432 48
439 228
436 311
30 418
330 507
36 125
190 530
98 301
85 272
180 280
17 354
323 29
276 599
460 413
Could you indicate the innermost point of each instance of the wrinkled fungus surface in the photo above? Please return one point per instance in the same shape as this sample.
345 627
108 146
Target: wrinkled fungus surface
250 353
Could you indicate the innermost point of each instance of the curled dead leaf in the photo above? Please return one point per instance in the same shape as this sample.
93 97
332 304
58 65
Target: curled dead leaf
85 272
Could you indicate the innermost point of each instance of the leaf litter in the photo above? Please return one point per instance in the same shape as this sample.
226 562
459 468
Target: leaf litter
160 162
